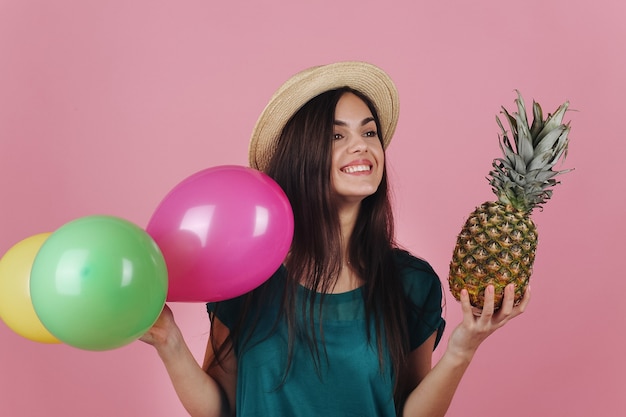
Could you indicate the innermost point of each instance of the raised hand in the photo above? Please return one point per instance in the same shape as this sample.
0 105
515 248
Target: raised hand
477 325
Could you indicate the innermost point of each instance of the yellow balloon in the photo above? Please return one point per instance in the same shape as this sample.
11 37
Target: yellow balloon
16 307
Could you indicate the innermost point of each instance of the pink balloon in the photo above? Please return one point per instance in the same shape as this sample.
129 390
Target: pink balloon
223 231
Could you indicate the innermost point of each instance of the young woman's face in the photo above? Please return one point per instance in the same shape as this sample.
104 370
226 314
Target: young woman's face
358 158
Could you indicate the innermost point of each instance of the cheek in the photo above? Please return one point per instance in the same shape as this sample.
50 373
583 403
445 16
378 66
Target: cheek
380 157
336 160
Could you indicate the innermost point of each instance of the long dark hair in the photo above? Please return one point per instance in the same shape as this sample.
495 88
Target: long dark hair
301 165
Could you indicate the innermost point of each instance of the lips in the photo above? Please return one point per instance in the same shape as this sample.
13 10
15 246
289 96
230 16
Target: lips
351 169
356 166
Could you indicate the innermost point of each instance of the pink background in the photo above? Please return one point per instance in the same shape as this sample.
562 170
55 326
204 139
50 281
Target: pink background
106 105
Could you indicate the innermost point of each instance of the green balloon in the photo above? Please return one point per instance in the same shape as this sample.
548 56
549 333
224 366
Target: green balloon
98 283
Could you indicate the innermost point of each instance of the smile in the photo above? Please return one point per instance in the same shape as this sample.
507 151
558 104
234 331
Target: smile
356 168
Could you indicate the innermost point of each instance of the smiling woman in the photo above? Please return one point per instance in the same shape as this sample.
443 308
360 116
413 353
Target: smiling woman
105 105
288 347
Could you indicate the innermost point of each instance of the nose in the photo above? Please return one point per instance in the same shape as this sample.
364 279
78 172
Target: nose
357 143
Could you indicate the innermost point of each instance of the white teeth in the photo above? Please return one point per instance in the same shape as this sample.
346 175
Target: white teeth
356 168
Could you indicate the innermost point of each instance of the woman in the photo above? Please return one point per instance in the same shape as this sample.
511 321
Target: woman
348 324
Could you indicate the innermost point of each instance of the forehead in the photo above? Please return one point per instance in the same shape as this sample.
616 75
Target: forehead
351 105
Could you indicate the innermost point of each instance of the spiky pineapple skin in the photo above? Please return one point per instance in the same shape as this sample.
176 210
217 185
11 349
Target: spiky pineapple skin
497 246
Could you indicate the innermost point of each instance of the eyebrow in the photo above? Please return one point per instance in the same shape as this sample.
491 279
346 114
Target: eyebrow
363 122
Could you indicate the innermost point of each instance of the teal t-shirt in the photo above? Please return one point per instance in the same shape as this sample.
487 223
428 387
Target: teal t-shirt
347 380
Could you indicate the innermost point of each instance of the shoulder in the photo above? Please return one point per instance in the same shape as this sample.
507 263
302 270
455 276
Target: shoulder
419 281
406 262
415 273
231 310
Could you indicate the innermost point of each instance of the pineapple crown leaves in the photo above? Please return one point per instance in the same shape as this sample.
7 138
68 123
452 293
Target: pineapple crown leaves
524 178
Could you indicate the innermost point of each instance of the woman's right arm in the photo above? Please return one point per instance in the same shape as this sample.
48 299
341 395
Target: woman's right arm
199 390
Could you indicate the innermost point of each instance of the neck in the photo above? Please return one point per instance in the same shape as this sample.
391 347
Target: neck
347 220
348 279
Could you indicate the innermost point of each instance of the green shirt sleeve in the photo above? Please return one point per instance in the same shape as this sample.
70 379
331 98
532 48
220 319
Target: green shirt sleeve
424 299
226 311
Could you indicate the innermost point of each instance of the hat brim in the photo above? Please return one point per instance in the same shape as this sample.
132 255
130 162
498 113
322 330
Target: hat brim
366 78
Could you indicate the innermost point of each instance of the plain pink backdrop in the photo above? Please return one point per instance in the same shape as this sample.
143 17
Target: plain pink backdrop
106 105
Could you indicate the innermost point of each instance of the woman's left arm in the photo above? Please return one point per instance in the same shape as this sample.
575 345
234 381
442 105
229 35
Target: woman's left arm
435 388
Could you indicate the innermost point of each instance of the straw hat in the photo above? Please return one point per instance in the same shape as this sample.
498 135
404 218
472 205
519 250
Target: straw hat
366 78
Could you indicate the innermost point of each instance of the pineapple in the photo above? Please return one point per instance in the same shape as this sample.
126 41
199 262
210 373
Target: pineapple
497 244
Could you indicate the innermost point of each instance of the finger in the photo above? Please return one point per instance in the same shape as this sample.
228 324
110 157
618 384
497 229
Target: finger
508 301
488 306
466 306
147 338
525 300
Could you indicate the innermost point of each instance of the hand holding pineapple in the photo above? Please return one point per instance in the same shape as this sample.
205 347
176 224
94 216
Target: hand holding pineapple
474 329
497 244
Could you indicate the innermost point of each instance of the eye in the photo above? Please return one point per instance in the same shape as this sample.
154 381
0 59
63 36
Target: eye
371 134
337 136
